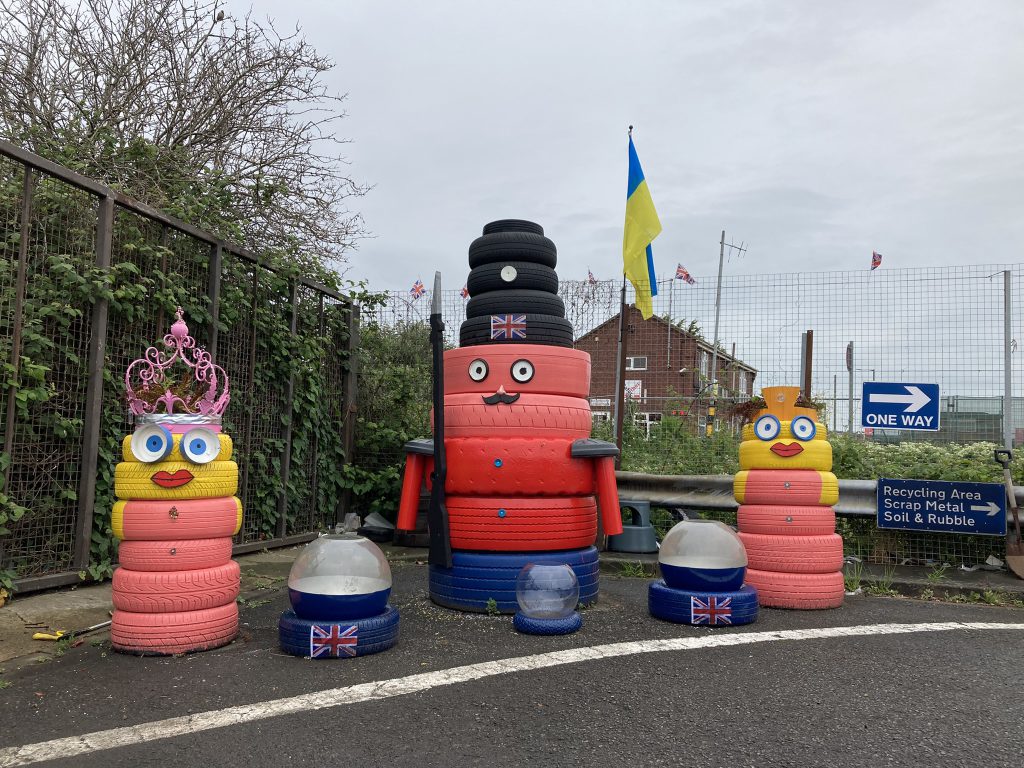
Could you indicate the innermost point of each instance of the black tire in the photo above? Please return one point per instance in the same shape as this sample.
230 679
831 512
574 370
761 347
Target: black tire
373 634
512 246
483 581
513 225
519 302
563 626
540 329
528 276
675 605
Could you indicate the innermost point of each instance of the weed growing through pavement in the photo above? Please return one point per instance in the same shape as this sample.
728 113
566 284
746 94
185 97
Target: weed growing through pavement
492 607
853 575
883 585
5 684
635 570
937 574
927 594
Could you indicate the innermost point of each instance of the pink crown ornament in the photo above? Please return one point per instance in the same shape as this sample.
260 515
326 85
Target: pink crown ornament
198 398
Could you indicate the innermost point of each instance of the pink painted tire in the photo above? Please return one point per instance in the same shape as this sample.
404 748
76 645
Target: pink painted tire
794 554
785 520
556 416
802 591
187 555
162 634
494 524
175 591
171 520
792 487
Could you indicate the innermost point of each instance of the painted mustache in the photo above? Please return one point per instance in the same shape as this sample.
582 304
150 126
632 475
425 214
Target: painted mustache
501 397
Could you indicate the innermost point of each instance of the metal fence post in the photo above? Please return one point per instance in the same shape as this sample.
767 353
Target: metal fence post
286 457
213 292
350 402
1007 364
94 391
251 389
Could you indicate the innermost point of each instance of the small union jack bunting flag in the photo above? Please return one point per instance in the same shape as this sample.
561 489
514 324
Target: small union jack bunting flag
714 610
464 293
417 290
876 260
590 278
508 327
682 274
332 640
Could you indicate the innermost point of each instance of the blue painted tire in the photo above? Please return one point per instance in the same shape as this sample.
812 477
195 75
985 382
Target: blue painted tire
476 578
372 635
317 607
564 626
712 608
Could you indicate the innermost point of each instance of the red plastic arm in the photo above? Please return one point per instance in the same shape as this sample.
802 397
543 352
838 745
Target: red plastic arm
411 483
608 496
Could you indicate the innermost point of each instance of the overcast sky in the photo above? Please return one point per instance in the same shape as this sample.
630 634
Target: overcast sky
815 132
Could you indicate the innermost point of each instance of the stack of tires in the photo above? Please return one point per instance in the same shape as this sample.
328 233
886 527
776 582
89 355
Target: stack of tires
786 490
176 587
515 402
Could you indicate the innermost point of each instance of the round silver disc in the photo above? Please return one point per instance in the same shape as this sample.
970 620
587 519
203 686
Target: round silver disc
508 273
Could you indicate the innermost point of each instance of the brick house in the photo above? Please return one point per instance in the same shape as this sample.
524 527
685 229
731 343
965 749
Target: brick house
668 370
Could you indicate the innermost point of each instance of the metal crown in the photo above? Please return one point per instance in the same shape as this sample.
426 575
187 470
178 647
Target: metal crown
204 393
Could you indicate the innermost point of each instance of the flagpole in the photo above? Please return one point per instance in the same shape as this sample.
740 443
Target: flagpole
620 374
668 339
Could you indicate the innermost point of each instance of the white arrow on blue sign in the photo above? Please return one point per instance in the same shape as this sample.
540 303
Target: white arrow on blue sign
898 405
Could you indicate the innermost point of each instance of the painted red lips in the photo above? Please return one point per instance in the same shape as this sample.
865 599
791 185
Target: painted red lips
172 479
785 451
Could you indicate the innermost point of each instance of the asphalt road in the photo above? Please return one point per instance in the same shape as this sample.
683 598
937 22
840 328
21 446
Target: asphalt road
943 698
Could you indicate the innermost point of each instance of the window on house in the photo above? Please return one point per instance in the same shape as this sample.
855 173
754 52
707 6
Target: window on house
636 363
747 384
705 362
647 420
601 415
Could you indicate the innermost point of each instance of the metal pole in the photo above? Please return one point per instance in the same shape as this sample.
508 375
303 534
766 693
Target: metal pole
213 292
1007 366
349 403
808 357
289 397
710 429
849 364
668 334
620 375
835 393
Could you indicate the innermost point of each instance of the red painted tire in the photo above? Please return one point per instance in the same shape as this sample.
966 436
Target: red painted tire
466 415
175 591
181 632
169 520
794 554
805 591
187 555
786 521
556 370
522 524
516 466
797 487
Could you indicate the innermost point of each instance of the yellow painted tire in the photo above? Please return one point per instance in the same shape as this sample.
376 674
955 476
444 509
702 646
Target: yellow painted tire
821 432
226 448
757 454
133 480
798 487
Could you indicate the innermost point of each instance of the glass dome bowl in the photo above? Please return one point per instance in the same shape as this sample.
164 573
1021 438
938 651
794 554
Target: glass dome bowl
547 591
703 556
340 576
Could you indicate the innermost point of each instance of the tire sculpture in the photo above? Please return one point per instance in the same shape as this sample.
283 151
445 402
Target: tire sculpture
785 487
176 586
524 481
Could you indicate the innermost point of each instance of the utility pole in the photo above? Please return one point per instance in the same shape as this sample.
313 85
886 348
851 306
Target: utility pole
712 408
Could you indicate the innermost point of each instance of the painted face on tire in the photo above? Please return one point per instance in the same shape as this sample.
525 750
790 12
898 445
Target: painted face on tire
798 443
161 465
502 371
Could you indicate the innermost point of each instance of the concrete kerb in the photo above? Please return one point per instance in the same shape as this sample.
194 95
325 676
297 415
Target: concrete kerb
265 572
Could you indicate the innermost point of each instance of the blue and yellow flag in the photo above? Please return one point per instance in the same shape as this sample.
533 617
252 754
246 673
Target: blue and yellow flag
642 226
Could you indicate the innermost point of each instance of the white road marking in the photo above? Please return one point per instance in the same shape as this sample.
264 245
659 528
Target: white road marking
247 713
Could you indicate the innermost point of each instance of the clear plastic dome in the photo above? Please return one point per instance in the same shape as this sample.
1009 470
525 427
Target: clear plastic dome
704 555
339 576
547 591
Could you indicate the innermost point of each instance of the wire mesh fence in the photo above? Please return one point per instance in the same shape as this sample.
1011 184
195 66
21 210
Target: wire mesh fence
945 326
88 280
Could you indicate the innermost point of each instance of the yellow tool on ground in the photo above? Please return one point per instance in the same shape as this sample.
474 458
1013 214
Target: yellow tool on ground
58 634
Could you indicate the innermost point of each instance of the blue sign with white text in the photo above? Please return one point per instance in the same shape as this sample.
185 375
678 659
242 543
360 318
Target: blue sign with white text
937 505
891 405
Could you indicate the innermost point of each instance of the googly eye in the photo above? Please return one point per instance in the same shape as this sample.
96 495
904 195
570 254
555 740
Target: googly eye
152 443
767 428
200 446
803 428
522 371
478 370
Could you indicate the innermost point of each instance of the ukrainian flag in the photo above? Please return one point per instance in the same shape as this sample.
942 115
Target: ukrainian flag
642 226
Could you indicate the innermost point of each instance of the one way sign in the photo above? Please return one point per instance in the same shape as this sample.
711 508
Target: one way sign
897 405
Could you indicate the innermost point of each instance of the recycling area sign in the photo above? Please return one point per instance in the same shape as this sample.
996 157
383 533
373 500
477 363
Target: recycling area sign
941 506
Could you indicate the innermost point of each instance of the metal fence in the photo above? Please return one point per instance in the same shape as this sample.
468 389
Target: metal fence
88 279
945 325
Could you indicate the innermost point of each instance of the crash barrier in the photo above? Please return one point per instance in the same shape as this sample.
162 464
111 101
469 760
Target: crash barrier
712 496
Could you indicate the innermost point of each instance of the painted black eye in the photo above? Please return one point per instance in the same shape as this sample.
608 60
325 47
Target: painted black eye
803 428
767 428
522 371
478 370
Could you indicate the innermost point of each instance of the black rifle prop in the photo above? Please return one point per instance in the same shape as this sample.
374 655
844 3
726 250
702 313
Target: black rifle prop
440 536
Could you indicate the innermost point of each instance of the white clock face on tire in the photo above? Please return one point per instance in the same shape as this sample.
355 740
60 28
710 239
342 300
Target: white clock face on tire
508 273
